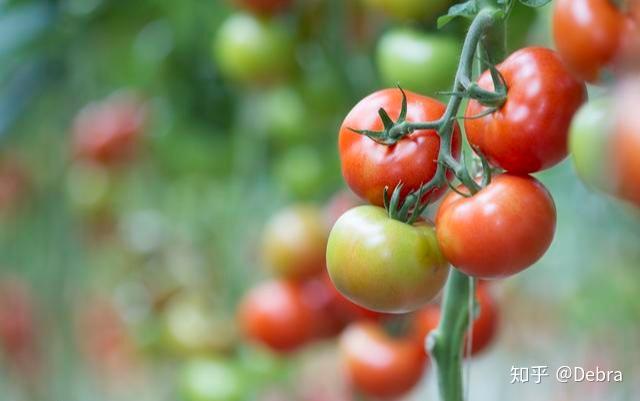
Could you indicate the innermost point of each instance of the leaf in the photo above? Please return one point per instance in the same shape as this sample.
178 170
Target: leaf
468 10
535 3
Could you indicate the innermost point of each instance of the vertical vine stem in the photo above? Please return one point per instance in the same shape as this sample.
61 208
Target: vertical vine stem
445 344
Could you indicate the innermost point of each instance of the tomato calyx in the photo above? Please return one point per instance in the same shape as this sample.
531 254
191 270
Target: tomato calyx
394 131
409 210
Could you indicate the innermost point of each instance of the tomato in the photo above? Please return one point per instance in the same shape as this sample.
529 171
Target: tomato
379 365
191 327
294 242
211 379
14 184
588 35
89 187
277 314
368 166
421 62
589 143
300 172
108 132
528 133
284 114
266 7
250 49
410 9
501 230
383 264
484 327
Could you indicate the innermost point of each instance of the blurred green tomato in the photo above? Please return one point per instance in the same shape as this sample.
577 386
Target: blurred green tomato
284 115
211 380
89 187
410 9
383 264
589 142
192 328
420 62
300 172
249 49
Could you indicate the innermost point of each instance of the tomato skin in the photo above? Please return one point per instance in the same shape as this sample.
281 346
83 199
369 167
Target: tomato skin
409 9
108 132
368 166
425 63
294 242
383 264
501 230
587 34
276 314
379 365
266 7
529 132
625 143
250 49
211 380
484 327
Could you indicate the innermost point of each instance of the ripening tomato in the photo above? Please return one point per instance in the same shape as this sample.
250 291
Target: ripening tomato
250 49
277 314
368 166
294 242
379 365
212 379
410 9
588 35
418 61
528 133
108 132
383 264
501 230
266 7
484 328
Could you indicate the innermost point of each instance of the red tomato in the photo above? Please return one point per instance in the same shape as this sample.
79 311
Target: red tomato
529 132
379 365
368 166
484 328
588 35
14 183
499 231
108 132
264 6
277 314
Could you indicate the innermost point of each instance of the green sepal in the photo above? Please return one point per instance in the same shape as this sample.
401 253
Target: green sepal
467 9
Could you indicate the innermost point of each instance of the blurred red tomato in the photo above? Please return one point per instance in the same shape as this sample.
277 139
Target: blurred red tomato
277 314
484 327
625 141
14 183
380 365
107 132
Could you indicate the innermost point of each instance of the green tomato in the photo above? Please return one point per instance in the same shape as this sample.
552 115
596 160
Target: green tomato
589 142
90 187
300 172
252 49
211 380
420 62
410 9
384 264
284 115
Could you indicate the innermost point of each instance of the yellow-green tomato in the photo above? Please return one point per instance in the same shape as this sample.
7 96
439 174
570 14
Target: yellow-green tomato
410 9
384 264
589 143
420 62
211 380
294 242
253 49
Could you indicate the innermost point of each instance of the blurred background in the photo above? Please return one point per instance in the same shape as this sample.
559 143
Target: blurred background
143 146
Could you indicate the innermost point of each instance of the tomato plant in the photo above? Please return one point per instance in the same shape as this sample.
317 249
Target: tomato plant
501 230
384 264
527 133
378 364
409 9
277 315
294 242
588 35
266 7
249 49
108 132
421 62
211 379
368 166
